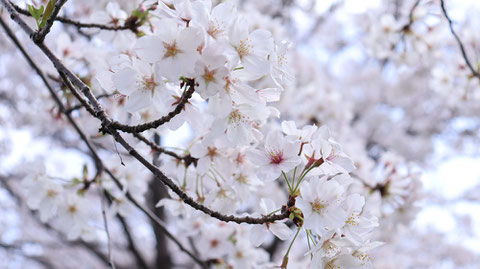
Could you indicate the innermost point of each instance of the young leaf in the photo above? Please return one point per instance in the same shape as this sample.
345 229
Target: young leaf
47 13
32 10
36 13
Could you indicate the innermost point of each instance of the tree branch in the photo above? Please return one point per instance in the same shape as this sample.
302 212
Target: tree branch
79 106
459 41
141 263
187 94
188 159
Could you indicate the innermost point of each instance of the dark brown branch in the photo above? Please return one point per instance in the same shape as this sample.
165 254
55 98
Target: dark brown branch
187 94
459 41
141 263
188 159
40 36
79 106
150 214
77 24
107 122
407 27
411 19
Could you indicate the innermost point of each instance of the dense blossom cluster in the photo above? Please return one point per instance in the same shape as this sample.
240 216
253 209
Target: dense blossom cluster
270 133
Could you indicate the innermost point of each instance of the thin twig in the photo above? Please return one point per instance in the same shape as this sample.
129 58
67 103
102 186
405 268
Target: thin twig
188 159
77 24
107 230
411 19
459 41
79 106
156 123
131 244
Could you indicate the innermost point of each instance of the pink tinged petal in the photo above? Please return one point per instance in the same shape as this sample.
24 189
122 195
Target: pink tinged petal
262 42
138 100
330 190
203 165
289 128
292 149
335 217
125 80
267 205
316 223
344 162
258 157
238 134
289 164
149 48
190 39
256 66
347 261
274 112
258 234
198 150
169 30
269 173
168 68
176 122
273 141
239 31
47 209
322 133
270 94
308 191
280 230
224 13
326 149
304 206
355 203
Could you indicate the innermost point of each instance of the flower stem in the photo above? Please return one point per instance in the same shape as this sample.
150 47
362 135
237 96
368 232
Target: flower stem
288 183
273 212
285 258
302 176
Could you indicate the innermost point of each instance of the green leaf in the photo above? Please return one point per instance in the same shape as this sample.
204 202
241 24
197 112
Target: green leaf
141 15
76 181
32 10
47 13
81 192
36 13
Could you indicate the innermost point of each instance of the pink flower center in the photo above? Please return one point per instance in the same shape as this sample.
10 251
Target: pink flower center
276 157
170 49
